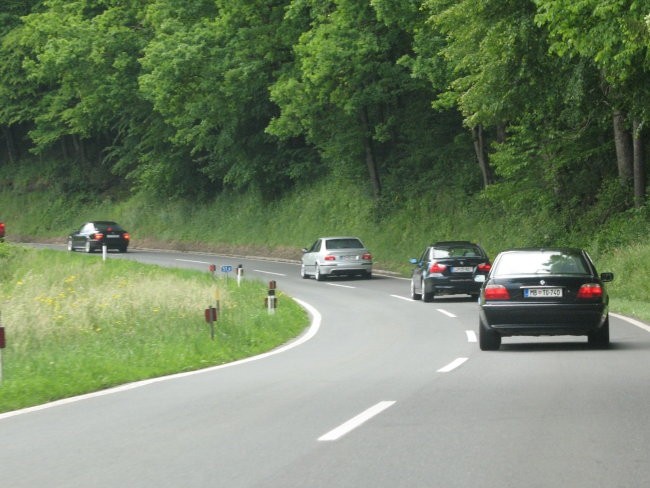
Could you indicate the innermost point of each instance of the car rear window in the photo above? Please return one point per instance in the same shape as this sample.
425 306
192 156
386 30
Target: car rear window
543 262
343 244
456 251
104 226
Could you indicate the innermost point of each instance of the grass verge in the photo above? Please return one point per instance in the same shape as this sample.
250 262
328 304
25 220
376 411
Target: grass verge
75 323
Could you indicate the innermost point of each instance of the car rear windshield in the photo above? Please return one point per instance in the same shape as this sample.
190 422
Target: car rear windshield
104 226
467 251
543 262
343 244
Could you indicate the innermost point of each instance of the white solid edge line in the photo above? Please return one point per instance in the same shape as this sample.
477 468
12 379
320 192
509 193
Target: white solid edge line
341 286
453 365
355 422
311 332
192 261
471 336
639 324
268 272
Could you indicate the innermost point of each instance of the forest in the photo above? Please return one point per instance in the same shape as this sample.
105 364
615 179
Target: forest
540 102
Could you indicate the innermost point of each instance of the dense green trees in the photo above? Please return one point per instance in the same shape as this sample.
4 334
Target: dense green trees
545 98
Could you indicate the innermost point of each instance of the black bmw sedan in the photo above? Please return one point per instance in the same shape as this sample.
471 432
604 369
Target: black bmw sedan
549 291
94 235
449 268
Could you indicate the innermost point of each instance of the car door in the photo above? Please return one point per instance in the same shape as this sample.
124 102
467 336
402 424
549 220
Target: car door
418 271
310 258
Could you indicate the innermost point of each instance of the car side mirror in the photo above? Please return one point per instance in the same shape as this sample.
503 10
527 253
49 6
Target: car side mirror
607 276
413 261
304 250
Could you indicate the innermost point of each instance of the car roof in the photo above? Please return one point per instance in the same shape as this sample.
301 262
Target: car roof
453 243
575 250
338 237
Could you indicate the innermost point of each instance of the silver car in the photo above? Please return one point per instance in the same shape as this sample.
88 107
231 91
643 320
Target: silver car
336 256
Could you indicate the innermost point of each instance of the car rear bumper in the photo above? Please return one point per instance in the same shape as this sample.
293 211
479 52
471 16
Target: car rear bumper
453 285
540 319
342 269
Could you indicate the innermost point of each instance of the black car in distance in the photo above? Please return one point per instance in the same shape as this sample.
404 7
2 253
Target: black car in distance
94 235
449 268
549 291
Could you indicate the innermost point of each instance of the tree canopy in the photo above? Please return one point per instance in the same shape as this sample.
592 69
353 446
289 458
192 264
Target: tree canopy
544 98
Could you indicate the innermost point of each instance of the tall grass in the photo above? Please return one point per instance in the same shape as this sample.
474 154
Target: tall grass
395 229
75 323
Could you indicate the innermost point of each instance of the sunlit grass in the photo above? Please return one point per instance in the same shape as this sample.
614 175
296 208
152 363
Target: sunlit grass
75 324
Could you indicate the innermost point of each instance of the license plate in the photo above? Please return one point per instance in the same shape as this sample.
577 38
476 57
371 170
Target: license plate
462 269
542 292
349 258
113 236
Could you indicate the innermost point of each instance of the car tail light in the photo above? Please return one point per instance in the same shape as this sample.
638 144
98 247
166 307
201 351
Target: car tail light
590 290
484 267
98 236
437 267
367 256
330 257
496 292
126 236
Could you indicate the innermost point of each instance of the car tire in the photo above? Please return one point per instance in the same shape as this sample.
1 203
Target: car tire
600 337
414 295
427 296
318 275
88 248
368 275
488 339
70 248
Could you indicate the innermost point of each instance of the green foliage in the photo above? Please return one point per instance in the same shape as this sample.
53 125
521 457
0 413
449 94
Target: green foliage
68 333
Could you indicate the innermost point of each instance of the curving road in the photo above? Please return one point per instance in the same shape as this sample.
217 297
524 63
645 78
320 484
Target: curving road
381 392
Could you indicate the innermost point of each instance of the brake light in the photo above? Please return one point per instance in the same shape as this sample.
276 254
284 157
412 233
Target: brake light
126 236
367 257
496 292
590 290
437 267
484 267
330 257
98 236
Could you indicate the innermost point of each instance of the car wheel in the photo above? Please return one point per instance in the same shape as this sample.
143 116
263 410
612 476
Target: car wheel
600 337
368 275
303 275
318 275
414 295
488 339
70 248
427 296
88 247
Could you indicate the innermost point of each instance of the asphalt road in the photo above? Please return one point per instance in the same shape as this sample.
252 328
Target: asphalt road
381 391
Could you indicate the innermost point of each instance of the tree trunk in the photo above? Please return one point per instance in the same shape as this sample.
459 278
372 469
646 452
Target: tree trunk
481 155
371 161
623 142
10 144
639 164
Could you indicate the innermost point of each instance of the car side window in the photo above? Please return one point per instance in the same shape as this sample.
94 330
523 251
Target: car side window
315 246
425 255
87 229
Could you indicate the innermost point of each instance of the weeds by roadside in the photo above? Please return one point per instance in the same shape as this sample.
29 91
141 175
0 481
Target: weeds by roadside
75 323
